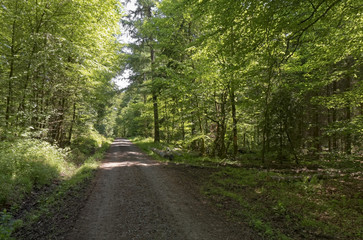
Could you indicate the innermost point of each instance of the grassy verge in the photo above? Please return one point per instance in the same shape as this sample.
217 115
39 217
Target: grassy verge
314 200
184 157
30 167
146 144
282 206
29 163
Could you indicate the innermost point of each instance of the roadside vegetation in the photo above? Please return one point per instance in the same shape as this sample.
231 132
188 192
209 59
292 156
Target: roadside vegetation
37 173
268 95
311 200
57 62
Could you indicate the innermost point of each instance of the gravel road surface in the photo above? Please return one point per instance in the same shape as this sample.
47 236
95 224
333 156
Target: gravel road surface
134 197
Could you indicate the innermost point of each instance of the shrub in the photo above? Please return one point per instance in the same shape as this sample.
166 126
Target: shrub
88 142
7 225
26 163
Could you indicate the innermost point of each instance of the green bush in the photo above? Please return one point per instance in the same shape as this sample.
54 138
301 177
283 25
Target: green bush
26 163
7 225
85 145
88 142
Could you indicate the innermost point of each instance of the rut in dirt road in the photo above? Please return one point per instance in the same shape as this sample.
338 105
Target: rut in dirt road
137 198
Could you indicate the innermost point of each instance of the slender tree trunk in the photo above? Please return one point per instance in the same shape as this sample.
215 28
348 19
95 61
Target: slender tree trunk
348 138
166 116
233 102
72 123
154 91
60 122
329 119
234 119
192 132
334 119
156 118
202 143
216 141
223 128
292 147
182 126
280 142
155 100
11 74
317 131
265 130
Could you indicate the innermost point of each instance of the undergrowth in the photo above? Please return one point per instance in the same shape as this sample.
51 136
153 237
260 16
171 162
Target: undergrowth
28 164
179 155
282 206
313 200
50 204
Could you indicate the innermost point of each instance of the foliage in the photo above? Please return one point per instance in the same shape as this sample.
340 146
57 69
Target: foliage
57 59
7 225
275 77
181 155
282 203
57 62
87 142
50 205
309 200
29 163
26 164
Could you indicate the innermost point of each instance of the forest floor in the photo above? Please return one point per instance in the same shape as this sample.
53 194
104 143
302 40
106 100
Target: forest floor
135 197
319 198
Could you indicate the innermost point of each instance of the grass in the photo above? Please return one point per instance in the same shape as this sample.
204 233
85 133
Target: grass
146 144
30 164
185 157
8 224
316 199
313 208
53 200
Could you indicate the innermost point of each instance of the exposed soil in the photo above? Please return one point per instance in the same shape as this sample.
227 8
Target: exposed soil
134 197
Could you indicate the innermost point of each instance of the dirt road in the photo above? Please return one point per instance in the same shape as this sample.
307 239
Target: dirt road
135 197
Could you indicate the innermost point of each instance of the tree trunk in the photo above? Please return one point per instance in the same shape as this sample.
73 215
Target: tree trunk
11 74
223 127
265 130
348 138
72 123
154 91
334 119
233 101
234 119
202 143
155 100
156 118
317 131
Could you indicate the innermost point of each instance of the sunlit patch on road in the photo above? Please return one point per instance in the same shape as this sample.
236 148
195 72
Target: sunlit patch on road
110 165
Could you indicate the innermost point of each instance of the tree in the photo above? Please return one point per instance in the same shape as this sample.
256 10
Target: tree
276 77
54 53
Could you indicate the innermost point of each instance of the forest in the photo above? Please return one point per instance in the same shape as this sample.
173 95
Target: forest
278 78
249 86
